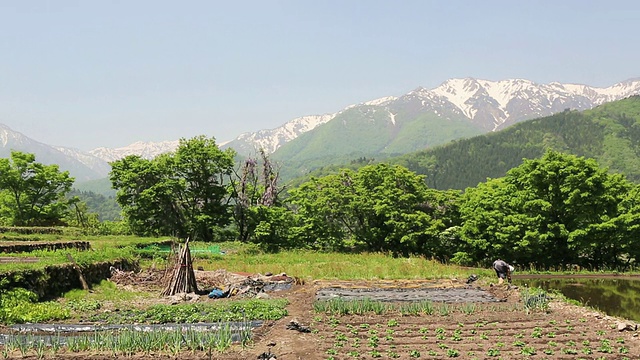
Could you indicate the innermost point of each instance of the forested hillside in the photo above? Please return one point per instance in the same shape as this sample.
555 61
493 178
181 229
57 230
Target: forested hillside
609 133
367 131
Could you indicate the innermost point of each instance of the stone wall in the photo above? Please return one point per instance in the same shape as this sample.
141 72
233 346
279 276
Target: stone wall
18 247
53 281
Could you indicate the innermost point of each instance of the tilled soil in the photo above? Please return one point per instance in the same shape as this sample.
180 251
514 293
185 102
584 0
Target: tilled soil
466 330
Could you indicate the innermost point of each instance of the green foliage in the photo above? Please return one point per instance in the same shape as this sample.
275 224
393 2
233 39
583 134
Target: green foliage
365 132
181 194
32 194
19 306
105 207
378 208
259 215
535 299
559 209
608 133
240 310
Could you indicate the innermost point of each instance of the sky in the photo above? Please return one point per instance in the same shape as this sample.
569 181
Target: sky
88 74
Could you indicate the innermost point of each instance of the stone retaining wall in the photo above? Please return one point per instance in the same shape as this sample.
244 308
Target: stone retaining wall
16 247
53 281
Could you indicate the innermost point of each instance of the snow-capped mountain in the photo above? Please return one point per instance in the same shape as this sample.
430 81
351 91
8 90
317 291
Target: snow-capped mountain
271 140
145 149
490 105
80 165
455 104
494 104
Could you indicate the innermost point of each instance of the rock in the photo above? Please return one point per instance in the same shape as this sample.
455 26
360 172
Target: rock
622 326
262 295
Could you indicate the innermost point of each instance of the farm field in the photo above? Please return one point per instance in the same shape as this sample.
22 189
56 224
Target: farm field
426 311
488 330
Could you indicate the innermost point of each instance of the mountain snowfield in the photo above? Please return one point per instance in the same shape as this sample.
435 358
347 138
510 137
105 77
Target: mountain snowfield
147 150
488 105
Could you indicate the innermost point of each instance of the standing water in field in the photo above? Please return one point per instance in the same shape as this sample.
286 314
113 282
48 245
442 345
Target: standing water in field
615 296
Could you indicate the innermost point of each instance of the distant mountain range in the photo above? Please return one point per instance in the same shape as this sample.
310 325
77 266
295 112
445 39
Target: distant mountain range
473 105
391 125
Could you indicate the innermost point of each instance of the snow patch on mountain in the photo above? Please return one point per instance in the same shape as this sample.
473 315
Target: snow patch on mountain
381 101
489 104
8 136
520 98
270 140
145 149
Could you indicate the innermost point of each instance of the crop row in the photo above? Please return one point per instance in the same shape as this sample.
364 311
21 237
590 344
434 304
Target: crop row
351 337
127 342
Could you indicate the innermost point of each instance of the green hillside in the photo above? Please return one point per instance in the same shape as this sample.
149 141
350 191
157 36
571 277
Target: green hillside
609 133
367 131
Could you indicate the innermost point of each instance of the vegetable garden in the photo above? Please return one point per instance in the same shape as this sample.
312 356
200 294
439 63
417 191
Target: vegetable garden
349 314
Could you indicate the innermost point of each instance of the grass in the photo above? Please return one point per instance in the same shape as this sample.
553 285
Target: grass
105 291
336 266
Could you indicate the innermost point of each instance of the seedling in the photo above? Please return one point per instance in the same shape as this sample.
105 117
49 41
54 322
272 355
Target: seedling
493 352
453 353
528 350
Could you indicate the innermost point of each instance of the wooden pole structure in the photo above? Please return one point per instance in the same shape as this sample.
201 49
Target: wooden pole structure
183 278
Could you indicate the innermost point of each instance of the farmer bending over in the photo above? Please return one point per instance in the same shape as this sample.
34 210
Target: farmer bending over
503 270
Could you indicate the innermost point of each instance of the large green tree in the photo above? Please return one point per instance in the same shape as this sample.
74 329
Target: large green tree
557 210
378 208
33 193
184 193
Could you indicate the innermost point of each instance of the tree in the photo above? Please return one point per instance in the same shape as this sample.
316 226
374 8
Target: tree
34 193
256 189
557 210
183 194
378 208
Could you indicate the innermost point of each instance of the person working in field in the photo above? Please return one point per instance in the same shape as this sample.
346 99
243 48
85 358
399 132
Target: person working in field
503 270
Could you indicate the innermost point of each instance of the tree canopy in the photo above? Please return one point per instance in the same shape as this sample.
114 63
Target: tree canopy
31 193
184 193
553 211
378 208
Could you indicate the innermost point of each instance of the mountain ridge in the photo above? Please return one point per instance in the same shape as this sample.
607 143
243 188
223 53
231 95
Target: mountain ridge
420 118
490 104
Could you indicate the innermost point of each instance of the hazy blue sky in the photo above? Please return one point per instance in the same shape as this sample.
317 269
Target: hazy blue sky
108 73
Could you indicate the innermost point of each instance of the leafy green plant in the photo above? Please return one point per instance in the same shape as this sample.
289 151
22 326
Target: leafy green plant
528 350
453 353
534 299
605 346
19 306
493 352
